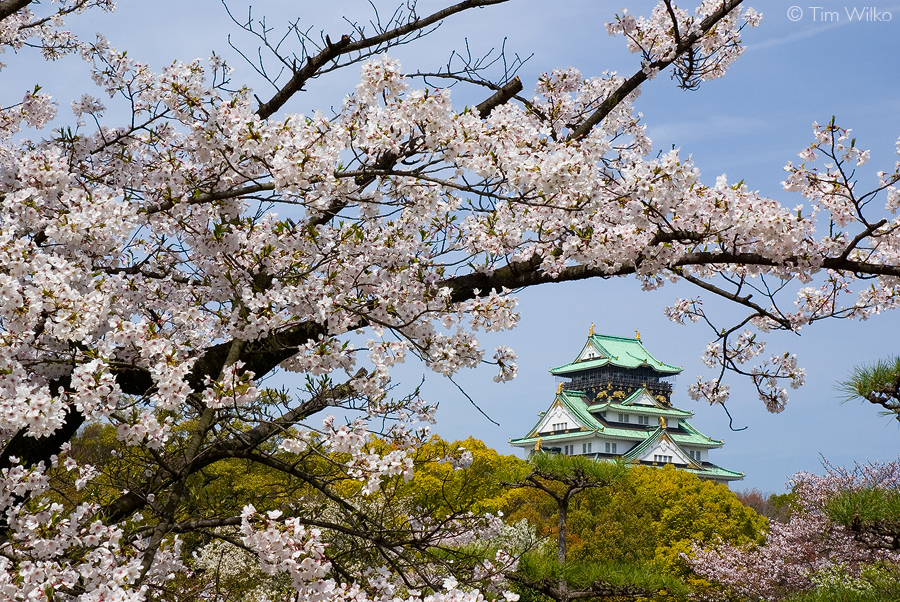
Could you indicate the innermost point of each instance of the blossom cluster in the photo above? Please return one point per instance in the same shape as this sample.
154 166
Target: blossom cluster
52 549
810 549
658 37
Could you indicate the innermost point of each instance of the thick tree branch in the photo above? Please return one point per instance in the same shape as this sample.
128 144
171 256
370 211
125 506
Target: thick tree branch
211 197
10 7
265 354
347 46
501 96
238 446
870 229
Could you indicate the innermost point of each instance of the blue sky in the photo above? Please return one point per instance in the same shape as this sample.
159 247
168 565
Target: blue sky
747 125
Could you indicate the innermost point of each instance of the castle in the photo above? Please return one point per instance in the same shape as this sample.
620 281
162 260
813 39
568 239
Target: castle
614 401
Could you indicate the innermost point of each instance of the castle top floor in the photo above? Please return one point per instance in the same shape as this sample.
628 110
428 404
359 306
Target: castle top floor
617 366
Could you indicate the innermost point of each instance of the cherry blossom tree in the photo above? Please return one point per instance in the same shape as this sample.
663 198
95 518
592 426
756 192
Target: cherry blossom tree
840 525
152 272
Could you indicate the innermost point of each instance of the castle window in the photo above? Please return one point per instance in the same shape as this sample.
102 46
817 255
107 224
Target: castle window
660 458
623 417
610 448
643 420
560 426
585 448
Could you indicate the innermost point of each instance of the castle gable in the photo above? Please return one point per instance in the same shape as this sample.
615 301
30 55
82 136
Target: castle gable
643 398
557 418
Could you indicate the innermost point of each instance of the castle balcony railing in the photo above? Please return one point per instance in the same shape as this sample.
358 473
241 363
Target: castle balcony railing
619 381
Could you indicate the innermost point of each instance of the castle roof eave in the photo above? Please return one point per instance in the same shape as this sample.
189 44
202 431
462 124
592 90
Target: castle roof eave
527 441
604 432
620 352
668 413
693 435
709 470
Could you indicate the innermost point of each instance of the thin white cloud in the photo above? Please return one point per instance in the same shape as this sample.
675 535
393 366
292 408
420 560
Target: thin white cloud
716 126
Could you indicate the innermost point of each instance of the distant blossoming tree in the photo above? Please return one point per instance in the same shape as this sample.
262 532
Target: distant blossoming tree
152 271
844 522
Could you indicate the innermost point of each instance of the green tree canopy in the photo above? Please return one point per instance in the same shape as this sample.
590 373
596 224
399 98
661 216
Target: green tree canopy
653 515
461 476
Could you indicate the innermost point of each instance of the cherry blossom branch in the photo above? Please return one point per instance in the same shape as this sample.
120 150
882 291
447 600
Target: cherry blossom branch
346 45
758 310
238 446
633 82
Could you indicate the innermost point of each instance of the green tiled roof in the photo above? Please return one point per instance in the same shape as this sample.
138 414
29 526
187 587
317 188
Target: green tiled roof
694 437
650 441
717 471
579 366
637 450
637 393
575 402
623 433
551 438
620 352
708 470
639 409
609 431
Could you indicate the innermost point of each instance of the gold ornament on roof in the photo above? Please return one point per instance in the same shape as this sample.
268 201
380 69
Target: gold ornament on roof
559 389
662 422
637 334
591 331
537 445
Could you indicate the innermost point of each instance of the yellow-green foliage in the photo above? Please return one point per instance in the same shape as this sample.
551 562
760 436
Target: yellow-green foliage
648 516
222 488
653 516
664 510
442 489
